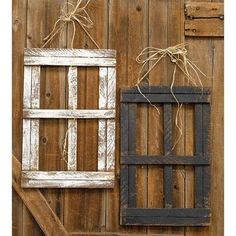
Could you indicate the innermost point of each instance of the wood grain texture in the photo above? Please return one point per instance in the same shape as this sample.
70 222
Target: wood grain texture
37 205
204 28
68 114
204 9
72 124
67 179
79 216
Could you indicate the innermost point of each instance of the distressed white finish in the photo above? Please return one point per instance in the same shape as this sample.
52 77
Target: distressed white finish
67 61
110 165
66 114
72 123
26 123
102 126
61 52
67 179
106 60
35 103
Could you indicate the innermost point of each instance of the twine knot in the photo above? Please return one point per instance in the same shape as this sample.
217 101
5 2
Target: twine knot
77 14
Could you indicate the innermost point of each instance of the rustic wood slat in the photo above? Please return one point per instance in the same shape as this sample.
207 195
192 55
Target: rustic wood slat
204 27
72 123
35 103
61 52
124 115
111 101
68 61
165 98
165 217
166 90
37 204
67 179
167 151
132 150
26 123
102 125
206 151
198 151
66 114
173 212
204 9
164 160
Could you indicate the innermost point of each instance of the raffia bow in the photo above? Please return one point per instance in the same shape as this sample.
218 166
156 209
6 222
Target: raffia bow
151 56
79 15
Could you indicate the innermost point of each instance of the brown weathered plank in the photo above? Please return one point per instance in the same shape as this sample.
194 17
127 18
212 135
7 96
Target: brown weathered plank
37 204
204 28
204 9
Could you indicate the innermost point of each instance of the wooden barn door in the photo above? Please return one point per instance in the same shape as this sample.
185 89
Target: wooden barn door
127 26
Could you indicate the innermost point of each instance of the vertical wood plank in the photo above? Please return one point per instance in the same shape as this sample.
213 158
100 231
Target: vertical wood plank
198 151
26 122
102 126
117 28
72 123
206 152
132 151
35 103
157 37
111 96
168 184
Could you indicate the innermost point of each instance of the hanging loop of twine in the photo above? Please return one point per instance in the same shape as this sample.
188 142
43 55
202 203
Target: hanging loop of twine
151 56
78 15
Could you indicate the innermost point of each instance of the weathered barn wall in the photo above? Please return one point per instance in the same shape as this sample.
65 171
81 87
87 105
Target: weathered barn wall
127 26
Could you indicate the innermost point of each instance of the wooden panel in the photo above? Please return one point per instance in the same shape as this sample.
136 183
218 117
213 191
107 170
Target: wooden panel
178 217
165 98
67 61
67 179
204 9
111 104
164 160
204 28
72 124
37 205
168 182
65 114
62 52
102 127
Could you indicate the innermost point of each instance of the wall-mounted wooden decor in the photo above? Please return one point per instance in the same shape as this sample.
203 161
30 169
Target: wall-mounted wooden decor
32 177
169 216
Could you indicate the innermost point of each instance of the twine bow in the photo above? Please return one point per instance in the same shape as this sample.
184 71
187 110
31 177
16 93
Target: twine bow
79 15
151 56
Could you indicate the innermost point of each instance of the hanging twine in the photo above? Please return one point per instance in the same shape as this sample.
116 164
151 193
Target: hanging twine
151 56
78 15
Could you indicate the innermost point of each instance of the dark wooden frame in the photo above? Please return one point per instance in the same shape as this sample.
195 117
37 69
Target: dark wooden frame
167 216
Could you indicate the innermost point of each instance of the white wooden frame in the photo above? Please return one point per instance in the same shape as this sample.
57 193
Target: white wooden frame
106 61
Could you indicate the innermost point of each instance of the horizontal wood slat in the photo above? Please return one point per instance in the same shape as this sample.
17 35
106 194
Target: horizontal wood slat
204 27
69 61
165 98
80 114
37 204
204 9
164 160
67 179
60 52
166 90
165 217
